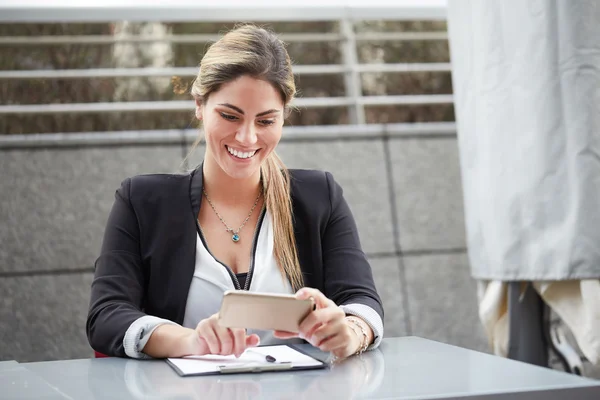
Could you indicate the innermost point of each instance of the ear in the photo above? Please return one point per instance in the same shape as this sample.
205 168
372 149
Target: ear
199 109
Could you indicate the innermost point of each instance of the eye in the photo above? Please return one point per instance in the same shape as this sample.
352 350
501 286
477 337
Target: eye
228 117
267 121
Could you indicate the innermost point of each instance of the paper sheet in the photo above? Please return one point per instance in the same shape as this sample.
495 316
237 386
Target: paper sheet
193 365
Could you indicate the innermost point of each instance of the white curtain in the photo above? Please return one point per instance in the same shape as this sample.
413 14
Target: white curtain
526 76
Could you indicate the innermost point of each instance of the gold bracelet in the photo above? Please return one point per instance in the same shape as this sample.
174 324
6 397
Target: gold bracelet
364 345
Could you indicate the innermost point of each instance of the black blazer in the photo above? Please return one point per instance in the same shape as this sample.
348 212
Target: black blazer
148 253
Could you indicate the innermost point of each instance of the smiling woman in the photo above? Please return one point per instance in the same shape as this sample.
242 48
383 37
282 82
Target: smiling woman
234 135
175 243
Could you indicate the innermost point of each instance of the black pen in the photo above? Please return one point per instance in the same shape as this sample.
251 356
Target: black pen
268 357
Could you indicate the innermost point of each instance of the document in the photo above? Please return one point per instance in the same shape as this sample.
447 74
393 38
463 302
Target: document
256 359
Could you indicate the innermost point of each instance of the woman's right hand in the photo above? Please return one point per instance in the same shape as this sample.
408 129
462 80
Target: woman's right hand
211 338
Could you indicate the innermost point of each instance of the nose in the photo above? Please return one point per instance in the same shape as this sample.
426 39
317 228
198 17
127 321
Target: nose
246 135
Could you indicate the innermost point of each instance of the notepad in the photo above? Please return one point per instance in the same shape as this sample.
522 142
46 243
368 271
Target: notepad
287 358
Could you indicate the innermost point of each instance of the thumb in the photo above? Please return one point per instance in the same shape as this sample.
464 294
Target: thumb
252 340
319 298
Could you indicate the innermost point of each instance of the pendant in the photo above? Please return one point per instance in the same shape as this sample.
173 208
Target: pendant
235 237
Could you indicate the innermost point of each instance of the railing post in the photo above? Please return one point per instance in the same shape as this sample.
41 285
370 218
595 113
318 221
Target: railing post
352 81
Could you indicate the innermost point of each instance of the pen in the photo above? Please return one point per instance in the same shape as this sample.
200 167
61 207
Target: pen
268 357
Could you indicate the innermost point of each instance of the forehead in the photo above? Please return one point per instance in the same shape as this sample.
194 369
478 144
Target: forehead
248 93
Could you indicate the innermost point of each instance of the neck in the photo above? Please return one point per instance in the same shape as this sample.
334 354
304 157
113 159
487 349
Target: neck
225 189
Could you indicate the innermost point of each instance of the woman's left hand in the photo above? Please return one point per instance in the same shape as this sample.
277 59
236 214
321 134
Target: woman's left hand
325 327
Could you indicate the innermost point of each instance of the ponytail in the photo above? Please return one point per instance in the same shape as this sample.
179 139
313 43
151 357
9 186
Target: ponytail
276 184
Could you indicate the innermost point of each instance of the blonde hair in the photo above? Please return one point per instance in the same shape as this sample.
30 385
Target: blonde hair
259 53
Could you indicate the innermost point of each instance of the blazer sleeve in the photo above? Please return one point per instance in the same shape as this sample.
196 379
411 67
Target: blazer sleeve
117 292
348 278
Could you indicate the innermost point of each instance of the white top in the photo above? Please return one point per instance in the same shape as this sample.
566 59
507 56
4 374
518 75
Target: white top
210 281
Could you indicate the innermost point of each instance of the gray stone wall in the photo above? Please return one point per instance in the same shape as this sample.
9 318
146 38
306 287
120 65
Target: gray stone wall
405 194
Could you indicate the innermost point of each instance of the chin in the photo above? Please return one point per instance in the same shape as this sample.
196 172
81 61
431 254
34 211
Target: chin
240 175
240 172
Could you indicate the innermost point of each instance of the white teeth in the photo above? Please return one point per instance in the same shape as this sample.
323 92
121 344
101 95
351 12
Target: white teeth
240 154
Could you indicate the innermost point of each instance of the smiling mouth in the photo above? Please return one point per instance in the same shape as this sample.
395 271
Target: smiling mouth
241 154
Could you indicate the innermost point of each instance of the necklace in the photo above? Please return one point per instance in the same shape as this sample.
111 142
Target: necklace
236 233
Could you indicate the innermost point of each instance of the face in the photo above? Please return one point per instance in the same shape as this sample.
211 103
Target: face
242 122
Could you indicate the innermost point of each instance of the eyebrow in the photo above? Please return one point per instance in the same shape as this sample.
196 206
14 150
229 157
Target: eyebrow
271 111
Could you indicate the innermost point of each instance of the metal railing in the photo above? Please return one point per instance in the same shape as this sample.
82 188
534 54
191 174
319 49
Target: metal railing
326 69
351 69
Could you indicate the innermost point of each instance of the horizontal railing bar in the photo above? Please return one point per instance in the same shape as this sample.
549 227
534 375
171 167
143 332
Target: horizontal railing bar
401 36
223 11
181 39
171 136
144 72
62 108
99 73
175 136
406 100
183 105
192 71
307 37
404 67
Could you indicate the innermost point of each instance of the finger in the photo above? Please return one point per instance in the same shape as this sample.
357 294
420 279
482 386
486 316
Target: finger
224 336
319 317
331 343
334 344
252 340
206 332
284 334
226 340
239 341
309 334
325 332
320 299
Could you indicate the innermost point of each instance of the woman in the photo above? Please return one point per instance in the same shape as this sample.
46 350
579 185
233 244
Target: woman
174 243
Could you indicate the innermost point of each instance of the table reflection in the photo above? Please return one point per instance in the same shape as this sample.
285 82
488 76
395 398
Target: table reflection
352 378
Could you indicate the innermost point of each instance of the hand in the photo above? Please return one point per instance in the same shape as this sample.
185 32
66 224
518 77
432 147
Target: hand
325 327
211 338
